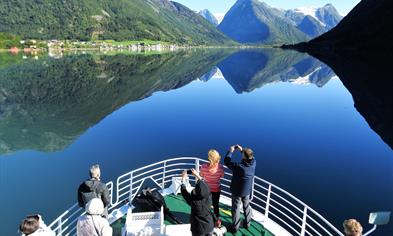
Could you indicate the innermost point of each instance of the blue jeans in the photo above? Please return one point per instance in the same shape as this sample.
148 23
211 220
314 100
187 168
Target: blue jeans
236 201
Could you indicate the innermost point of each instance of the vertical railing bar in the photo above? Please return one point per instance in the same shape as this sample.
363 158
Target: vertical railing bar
163 177
60 228
197 165
252 190
268 202
131 179
302 233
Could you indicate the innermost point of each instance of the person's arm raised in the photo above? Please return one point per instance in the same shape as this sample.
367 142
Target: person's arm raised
228 158
186 195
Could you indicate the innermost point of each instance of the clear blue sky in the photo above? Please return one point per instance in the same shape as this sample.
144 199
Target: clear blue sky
222 6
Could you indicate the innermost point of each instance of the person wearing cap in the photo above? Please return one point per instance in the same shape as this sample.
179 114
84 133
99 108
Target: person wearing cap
243 173
93 224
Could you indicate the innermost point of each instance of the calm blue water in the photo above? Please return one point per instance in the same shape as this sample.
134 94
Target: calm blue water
306 134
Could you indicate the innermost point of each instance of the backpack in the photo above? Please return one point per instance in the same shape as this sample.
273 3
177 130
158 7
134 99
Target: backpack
87 196
151 200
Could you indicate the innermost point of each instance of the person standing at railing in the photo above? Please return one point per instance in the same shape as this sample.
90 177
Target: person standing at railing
34 226
94 188
241 185
92 223
201 218
212 174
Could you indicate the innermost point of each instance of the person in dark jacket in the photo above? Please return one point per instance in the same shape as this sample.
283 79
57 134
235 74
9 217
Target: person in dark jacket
241 185
201 218
94 188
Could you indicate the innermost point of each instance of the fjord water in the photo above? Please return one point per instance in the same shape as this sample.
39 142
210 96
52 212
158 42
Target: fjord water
60 115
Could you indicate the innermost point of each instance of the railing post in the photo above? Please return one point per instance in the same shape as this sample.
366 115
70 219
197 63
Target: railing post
268 202
131 179
163 177
252 190
60 228
197 165
303 232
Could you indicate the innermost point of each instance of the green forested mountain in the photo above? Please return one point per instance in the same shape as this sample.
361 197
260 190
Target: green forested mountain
159 20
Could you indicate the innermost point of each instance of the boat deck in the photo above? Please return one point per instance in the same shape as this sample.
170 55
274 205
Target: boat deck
181 210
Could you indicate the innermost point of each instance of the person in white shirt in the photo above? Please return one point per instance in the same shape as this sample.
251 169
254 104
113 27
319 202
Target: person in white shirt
34 226
93 224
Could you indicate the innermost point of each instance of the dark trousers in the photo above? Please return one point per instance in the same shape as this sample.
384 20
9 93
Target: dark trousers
236 201
216 201
201 234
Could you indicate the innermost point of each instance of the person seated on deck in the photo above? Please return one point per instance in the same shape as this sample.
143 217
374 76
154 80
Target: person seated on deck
94 188
201 218
241 185
93 224
352 228
34 226
212 174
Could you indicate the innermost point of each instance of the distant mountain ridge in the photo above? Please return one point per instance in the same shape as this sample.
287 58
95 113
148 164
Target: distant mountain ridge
314 21
208 16
253 21
121 20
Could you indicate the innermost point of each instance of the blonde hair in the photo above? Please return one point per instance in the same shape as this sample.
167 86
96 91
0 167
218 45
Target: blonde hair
352 228
214 157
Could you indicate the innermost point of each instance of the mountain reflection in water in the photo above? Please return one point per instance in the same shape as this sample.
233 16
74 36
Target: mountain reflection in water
46 104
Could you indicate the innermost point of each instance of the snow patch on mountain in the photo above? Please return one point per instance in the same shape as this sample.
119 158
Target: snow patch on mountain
309 11
219 17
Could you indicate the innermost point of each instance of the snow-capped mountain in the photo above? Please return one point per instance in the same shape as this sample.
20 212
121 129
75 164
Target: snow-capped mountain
209 16
312 20
253 21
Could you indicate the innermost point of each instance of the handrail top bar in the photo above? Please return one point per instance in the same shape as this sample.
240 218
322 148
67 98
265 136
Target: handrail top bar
162 168
256 177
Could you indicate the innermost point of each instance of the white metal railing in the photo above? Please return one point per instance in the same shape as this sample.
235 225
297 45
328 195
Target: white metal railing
270 200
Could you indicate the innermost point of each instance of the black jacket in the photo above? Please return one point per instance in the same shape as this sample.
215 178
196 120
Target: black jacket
201 218
242 177
93 185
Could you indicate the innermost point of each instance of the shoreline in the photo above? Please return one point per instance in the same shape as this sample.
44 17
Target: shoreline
143 48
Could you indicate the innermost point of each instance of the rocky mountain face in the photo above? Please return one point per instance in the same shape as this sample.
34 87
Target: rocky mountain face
255 22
